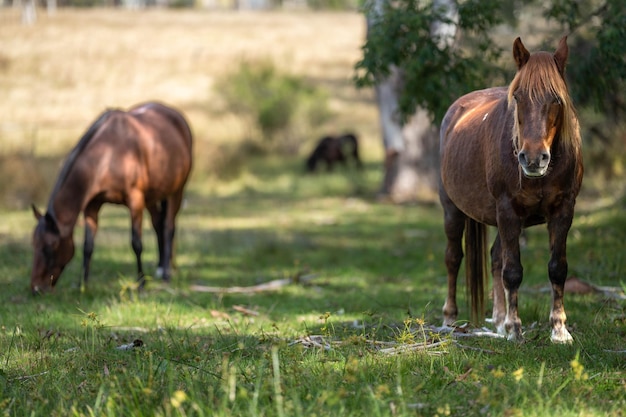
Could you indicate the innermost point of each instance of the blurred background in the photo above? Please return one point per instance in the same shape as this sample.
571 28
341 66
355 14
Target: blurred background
262 80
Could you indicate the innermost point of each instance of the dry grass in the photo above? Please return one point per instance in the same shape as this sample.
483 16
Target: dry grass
58 75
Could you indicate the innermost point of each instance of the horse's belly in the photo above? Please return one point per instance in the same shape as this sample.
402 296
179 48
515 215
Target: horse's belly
159 187
475 203
464 181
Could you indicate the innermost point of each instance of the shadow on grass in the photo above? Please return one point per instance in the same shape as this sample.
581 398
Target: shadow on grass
371 261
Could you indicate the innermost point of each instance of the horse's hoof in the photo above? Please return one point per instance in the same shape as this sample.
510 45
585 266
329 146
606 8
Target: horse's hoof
500 329
163 274
561 336
513 331
513 337
160 272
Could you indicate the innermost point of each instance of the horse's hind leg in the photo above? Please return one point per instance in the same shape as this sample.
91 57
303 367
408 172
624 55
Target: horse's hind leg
499 301
169 231
454 224
509 230
355 153
157 215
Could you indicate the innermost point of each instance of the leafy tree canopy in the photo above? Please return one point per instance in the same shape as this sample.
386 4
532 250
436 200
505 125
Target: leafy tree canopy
436 72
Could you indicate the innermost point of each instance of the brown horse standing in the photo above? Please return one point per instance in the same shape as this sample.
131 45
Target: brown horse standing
141 159
511 158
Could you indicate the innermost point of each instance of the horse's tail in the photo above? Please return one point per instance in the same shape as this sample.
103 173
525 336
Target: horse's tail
476 267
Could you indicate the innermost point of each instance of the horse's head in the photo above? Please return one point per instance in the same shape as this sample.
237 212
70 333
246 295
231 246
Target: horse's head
311 162
51 253
539 96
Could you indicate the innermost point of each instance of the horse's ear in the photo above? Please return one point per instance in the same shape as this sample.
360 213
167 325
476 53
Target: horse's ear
520 53
561 53
36 212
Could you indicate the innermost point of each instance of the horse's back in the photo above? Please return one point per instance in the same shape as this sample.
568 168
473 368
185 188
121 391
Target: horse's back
470 138
147 148
160 115
468 112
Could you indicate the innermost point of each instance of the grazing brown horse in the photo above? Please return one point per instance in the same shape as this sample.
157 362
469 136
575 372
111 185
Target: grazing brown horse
141 159
332 149
511 158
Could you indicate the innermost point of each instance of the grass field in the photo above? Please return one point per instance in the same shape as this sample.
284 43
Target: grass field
352 334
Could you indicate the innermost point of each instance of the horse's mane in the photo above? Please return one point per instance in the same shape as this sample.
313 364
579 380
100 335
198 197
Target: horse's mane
71 159
540 77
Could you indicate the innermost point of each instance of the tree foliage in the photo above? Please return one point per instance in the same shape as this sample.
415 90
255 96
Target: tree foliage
436 72
599 51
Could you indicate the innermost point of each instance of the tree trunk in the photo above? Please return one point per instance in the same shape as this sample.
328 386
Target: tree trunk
411 169
29 12
52 7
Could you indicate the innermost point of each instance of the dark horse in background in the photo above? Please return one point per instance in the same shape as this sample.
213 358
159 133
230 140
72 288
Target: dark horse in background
511 158
141 159
332 149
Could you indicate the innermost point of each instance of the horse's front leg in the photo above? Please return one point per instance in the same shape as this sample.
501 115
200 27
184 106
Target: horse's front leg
558 228
509 230
91 228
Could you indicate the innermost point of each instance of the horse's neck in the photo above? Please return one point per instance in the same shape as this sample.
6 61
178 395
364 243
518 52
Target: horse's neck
68 201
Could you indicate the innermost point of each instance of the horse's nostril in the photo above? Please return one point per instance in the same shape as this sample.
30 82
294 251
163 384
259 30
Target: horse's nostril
522 158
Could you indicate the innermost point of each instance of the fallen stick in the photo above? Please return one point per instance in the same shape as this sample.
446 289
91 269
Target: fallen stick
25 377
412 347
245 311
273 285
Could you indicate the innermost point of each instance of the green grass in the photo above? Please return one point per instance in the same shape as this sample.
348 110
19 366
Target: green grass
378 277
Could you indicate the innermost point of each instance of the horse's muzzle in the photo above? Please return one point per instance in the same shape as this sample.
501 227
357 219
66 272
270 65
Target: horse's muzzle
534 166
39 286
